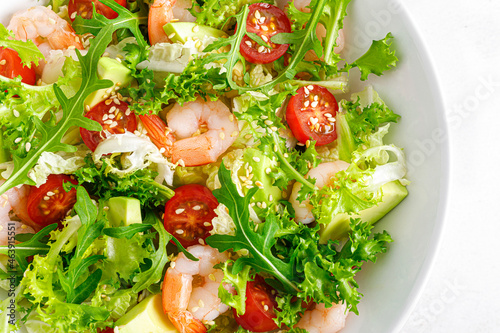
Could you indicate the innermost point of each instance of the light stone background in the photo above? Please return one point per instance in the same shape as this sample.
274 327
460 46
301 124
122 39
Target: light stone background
463 290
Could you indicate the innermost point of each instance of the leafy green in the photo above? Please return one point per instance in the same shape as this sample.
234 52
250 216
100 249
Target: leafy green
126 232
377 59
239 282
158 259
259 245
139 184
27 51
35 245
215 13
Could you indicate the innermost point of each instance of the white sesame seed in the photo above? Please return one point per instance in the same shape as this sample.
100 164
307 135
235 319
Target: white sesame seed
310 87
172 264
108 122
162 150
201 241
18 140
313 120
264 28
268 171
46 198
259 184
196 28
222 135
270 197
264 205
73 15
262 20
256 159
316 97
264 38
328 115
306 103
306 91
332 120
127 113
274 128
249 43
266 307
285 155
179 231
197 207
16 113
172 35
260 49
207 224
314 104
268 122
195 308
201 304
28 146
179 211
50 193
257 14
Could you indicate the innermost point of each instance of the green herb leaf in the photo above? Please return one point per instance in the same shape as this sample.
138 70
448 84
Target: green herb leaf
126 232
84 207
27 51
256 38
239 282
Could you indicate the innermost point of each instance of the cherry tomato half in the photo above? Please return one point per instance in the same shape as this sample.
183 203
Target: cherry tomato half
50 203
83 8
266 21
189 214
11 67
158 133
310 114
259 307
114 119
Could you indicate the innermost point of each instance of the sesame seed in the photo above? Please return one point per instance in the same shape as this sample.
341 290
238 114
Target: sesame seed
108 101
260 49
316 97
264 205
201 304
314 104
256 227
50 193
313 120
16 113
179 231
268 171
249 43
3 62
259 184
328 115
28 146
310 87
274 128
18 140
306 91
196 28
197 207
256 159
201 241
252 204
172 264
264 28
235 133
108 122
211 277
162 150
262 20
306 103
264 38
207 224
332 120
268 122
281 256
46 198
308 143
266 307
73 15
270 197
127 113
179 211
285 155
222 135
257 14
87 107
195 308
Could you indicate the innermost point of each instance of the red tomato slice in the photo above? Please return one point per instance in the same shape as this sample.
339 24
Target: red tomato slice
189 214
114 118
11 67
266 21
83 8
50 203
259 307
310 114
158 133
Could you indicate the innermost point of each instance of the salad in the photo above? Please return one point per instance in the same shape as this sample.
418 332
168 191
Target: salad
189 166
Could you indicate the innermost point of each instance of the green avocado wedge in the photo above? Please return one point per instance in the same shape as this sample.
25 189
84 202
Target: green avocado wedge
392 194
179 32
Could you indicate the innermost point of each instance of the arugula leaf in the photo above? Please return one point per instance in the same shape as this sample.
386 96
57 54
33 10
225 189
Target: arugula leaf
27 51
256 38
35 245
258 244
377 59
84 207
126 232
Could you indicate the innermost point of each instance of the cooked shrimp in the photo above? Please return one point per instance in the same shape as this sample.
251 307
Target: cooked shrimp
162 12
190 289
203 131
13 200
45 28
324 320
323 174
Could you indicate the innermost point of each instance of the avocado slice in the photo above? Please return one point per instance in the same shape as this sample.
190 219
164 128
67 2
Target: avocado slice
4 157
124 211
109 69
147 316
392 194
181 31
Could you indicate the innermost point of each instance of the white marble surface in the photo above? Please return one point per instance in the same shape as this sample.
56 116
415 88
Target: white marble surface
462 293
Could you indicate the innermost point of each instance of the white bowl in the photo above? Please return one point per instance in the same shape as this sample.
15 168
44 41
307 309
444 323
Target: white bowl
392 286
